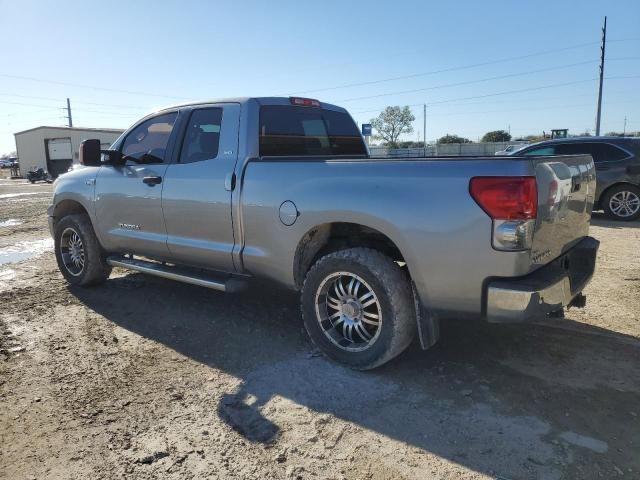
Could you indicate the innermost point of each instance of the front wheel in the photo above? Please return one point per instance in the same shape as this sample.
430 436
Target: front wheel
78 253
358 307
622 203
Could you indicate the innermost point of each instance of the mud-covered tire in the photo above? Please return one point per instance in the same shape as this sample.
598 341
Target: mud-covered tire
392 287
613 205
94 269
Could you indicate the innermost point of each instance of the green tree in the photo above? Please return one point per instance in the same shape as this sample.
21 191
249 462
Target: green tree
453 139
391 123
497 136
411 144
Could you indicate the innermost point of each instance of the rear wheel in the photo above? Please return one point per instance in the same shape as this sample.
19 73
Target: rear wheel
358 307
78 253
622 203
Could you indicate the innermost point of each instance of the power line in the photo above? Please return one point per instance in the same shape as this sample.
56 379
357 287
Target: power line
469 82
53 99
119 114
30 112
445 70
545 108
133 92
78 85
508 92
461 67
34 121
30 105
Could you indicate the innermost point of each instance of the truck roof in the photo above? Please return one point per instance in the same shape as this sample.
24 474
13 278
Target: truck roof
247 100
607 139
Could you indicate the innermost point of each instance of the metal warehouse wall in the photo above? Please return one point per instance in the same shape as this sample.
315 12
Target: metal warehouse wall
30 144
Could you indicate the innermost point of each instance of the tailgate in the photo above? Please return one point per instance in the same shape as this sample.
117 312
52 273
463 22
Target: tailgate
566 192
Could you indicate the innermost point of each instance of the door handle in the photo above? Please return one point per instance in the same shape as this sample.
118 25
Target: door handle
153 180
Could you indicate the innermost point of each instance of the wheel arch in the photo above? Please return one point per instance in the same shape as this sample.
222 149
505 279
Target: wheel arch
68 207
330 237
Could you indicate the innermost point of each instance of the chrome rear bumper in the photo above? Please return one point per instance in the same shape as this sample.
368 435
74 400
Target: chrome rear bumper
548 289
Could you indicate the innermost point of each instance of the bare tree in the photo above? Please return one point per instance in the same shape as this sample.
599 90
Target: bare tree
391 123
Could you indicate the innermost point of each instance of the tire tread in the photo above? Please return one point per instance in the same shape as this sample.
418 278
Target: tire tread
399 291
97 269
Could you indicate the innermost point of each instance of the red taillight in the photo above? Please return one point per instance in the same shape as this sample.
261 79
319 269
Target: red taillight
506 198
304 102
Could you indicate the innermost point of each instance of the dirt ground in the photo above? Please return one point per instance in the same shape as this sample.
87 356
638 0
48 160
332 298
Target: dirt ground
145 378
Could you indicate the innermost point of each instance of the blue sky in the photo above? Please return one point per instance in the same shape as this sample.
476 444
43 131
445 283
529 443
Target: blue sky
144 54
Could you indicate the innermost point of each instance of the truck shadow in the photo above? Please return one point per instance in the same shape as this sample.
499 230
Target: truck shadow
496 399
599 219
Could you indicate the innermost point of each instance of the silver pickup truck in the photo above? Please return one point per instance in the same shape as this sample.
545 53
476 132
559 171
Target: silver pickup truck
216 193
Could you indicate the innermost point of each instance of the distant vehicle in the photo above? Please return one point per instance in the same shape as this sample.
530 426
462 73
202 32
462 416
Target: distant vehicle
8 162
39 175
283 189
510 149
617 162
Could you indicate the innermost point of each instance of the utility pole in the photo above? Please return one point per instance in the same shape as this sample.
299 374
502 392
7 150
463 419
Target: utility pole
624 129
602 47
70 120
424 130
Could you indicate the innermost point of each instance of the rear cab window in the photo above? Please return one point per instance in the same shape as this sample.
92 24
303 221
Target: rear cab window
299 131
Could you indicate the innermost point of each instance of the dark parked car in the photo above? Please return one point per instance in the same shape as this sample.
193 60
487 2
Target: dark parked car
617 162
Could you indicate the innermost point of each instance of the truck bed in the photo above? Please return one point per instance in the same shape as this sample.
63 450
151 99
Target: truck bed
423 204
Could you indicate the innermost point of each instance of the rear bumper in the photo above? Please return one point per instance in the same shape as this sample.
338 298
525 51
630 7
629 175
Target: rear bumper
548 289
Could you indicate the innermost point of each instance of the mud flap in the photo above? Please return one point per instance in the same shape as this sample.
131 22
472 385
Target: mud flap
428 323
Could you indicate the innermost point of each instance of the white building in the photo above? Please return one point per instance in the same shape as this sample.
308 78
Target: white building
56 148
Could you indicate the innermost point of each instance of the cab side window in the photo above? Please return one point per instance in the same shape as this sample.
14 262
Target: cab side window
541 151
601 152
147 143
202 137
608 153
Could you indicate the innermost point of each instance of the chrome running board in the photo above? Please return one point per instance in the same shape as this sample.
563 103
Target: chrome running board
214 281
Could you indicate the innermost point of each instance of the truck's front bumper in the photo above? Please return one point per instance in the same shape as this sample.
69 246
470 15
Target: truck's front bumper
548 289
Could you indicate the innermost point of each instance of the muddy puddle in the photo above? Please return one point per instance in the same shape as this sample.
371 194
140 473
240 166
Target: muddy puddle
24 250
21 194
10 222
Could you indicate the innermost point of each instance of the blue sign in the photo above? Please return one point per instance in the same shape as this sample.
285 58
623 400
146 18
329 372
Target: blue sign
366 129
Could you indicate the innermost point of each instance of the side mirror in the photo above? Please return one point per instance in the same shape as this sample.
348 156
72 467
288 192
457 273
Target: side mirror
113 157
89 154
